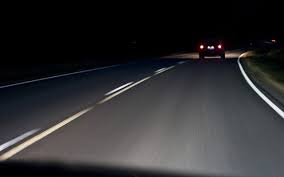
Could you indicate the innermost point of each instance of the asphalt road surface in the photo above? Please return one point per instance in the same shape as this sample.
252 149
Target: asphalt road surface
195 116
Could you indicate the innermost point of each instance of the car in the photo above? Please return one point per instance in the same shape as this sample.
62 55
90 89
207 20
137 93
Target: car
211 47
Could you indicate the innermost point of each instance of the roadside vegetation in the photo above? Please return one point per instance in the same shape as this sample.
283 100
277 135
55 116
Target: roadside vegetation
267 67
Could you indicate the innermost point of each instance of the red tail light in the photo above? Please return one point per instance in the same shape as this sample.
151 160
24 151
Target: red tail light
201 47
219 46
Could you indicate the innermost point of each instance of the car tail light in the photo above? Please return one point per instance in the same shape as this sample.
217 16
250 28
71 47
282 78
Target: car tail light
201 47
219 46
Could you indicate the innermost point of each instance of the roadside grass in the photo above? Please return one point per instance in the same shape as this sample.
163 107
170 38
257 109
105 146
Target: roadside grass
268 68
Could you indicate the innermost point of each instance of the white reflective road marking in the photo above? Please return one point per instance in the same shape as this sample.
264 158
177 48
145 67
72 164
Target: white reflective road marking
118 88
123 90
269 102
40 136
17 139
45 133
171 67
53 77
161 71
181 62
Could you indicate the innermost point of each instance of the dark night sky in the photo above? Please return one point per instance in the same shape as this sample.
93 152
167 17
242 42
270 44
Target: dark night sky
95 28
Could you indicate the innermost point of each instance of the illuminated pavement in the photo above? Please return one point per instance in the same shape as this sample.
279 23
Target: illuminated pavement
199 116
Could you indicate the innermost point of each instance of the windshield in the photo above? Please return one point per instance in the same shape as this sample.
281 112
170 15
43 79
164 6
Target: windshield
193 88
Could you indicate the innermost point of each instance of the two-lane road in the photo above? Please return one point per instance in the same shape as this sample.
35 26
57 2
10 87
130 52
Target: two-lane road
193 116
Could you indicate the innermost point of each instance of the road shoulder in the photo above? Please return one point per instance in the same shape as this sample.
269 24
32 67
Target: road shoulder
268 85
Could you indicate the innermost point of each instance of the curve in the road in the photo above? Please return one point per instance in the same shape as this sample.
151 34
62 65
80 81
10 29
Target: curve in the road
257 91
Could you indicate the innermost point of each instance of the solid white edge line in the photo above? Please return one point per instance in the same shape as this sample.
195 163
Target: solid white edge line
41 135
269 102
118 88
57 76
17 139
123 90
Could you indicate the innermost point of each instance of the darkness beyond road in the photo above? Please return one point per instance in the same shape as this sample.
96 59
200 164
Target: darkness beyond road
65 32
178 114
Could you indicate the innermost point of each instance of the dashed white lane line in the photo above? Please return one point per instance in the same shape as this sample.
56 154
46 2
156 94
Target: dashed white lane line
171 67
57 76
269 102
156 73
181 62
161 71
45 133
17 139
118 88
40 136
123 90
